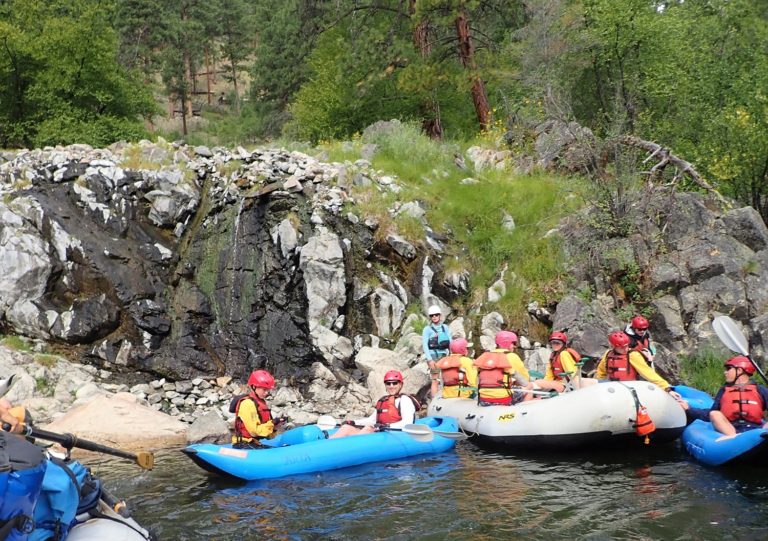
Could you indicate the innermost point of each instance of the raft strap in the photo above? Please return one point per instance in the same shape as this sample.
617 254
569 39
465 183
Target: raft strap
22 523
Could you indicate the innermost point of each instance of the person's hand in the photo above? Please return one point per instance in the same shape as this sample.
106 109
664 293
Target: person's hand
677 396
378 426
11 423
280 421
648 355
684 404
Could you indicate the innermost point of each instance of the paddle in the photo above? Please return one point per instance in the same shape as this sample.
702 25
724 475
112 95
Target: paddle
145 459
730 335
551 393
422 433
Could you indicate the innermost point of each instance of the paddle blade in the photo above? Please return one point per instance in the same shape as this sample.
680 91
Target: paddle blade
458 436
730 335
145 459
326 422
419 432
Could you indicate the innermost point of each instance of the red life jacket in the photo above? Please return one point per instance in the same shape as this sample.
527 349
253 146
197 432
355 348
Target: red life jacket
490 370
453 374
619 368
265 415
742 403
557 365
638 343
387 412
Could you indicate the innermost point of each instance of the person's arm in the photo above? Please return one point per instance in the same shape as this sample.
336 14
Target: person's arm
518 365
425 341
637 360
549 374
602 372
407 412
471 370
250 417
367 421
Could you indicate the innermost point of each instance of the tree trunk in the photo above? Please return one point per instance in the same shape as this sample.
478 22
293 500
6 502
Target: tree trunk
234 83
207 76
467 56
430 108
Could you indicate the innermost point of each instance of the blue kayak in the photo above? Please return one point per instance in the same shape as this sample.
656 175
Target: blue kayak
709 446
307 449
695 398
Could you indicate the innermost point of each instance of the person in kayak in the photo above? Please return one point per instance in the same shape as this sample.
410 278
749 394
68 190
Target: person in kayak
560 368
640 338
394 410
457 371
739 405
621 364
435 340
498 371
253 418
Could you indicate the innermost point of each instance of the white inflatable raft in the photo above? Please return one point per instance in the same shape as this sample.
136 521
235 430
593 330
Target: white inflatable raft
602 413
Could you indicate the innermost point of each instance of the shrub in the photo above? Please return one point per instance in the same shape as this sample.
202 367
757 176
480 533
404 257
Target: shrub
703 370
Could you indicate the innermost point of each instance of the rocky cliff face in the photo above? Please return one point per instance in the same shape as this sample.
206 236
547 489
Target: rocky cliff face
186 262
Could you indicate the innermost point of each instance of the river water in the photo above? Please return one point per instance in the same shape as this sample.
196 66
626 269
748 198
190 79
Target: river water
466 494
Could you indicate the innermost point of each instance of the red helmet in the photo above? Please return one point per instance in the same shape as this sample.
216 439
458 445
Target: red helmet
459 346
639 323
261 378
741 362
504 339
557 335
393 375
618 339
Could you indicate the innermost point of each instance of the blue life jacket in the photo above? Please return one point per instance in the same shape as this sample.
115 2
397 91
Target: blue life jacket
68 490
22 467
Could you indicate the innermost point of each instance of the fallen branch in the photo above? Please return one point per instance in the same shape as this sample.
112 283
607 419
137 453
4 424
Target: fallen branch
664 157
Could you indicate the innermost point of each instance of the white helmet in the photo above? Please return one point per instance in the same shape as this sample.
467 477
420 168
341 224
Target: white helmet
434 309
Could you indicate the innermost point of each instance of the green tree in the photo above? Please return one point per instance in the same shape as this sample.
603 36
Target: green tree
59 77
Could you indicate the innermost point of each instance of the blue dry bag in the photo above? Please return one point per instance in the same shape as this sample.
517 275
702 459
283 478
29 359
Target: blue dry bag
68 490
22 466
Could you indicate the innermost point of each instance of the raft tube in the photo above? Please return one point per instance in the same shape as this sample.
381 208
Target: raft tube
710 447
603 413
104 524
306 449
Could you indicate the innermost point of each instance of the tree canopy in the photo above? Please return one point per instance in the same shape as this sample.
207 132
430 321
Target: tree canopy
690 76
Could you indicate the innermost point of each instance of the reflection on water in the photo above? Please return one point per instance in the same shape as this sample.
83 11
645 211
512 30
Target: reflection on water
467 494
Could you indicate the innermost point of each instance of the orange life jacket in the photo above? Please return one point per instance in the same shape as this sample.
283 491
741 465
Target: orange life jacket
265 415
618 367
387 410
742 403
491 372
557 365
453 374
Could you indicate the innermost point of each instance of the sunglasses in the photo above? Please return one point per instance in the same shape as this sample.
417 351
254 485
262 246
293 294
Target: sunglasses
434 315
391 383
728 367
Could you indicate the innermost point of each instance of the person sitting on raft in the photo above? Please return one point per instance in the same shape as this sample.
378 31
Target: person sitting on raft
621 364
253 418
640 338
394 410
739 405
560 368
458 372
498 371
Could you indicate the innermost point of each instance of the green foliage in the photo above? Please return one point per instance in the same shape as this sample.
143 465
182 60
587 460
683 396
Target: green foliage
59 79
17 343
473 215
703 370
48 361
